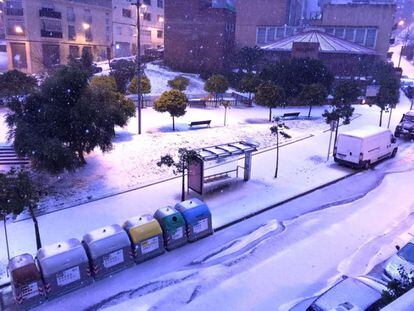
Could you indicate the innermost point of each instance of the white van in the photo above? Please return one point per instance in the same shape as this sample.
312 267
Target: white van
363 147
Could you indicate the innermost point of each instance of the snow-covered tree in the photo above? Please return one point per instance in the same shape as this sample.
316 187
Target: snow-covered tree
249 84
179 83
216 84
313 95
174 102
15 83
145 85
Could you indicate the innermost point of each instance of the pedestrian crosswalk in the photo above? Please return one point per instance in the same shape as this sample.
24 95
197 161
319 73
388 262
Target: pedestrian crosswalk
9 159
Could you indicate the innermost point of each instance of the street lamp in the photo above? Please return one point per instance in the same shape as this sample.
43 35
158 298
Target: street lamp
141 9
18 29
86 26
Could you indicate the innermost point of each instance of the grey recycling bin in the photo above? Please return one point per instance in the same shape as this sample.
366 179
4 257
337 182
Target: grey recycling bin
64 266
146 236
197 217
109 250
26 282
173 227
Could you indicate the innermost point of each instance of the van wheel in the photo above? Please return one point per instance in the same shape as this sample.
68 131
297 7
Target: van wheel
397 134
394 153
367 165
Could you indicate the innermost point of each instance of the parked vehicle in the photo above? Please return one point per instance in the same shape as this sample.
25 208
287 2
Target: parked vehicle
405 83
406 125
403 259
363 147
354 294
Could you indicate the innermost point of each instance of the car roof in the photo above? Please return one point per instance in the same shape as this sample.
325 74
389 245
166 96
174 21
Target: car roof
350 290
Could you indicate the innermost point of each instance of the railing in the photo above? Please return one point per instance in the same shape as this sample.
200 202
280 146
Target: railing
51 34
14 11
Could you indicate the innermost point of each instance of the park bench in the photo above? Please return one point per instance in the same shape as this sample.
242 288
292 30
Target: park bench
291 115
197 123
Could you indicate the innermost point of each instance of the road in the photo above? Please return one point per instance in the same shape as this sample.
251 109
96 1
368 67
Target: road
276 259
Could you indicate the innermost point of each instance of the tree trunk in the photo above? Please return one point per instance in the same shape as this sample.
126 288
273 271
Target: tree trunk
36 226
412 103
380 121
277 153
225 116
389 118
310 110
270 114
173 124
336 131
81 157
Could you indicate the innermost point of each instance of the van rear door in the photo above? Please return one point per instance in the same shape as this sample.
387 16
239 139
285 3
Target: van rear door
348 148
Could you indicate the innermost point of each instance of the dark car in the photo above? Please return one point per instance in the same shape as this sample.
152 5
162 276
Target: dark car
406 125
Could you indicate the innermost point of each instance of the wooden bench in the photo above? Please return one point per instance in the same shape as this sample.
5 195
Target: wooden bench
291 115
197 123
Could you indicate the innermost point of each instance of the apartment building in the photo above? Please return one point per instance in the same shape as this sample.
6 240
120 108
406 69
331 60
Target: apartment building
124 16
43 33
199 34
3 47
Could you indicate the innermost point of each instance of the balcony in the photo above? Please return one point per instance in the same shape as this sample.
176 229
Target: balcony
51 34
14 11
43 12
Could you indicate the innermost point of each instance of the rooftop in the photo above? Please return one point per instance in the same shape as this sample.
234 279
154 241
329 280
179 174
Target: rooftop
327 43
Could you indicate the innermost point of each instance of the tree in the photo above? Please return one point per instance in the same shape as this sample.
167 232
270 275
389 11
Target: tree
249 84
248 58
216 84
278 130
389 92
123 71
67 119
174 102
185 157
14 84
295 73
104 82
179 83
145 85
271 96
18 192
410 94
313 95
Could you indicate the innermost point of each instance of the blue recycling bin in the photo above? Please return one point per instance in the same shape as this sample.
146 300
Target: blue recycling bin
197 217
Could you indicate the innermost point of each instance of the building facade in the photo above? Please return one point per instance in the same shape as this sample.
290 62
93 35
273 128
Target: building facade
124 17
368 23
44 33
3 46
199 34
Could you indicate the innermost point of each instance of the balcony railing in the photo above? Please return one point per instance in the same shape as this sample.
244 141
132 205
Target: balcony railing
51 34
14 11
50 13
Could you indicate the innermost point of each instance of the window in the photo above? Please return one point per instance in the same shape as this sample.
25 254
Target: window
3 48
339 32
71 32
147 16
15 28
280 32
87 50
48 5
51 28
74 51
88 34
329 31
349 34
160 3
371 38
70 13
14 8
271 32
148 2
146 33
18 51
261 35
360 35
88 16
126 13
159 33
51 55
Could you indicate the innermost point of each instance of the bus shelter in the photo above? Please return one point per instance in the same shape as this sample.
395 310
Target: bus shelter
197 176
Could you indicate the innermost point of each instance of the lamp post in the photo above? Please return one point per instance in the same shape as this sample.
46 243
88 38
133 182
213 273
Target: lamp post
138 63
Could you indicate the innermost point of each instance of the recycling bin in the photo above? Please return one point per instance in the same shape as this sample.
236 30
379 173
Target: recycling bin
26 282
109 250
197 217
146 237
64 266
173 227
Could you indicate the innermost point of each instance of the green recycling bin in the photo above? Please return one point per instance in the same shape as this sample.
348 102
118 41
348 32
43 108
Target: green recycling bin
173 227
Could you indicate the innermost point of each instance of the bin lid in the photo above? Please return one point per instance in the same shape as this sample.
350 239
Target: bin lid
193 210
142 227
23 270
169 217
56 257
104 240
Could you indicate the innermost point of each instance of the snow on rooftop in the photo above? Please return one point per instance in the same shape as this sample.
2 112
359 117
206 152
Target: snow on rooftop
327 43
